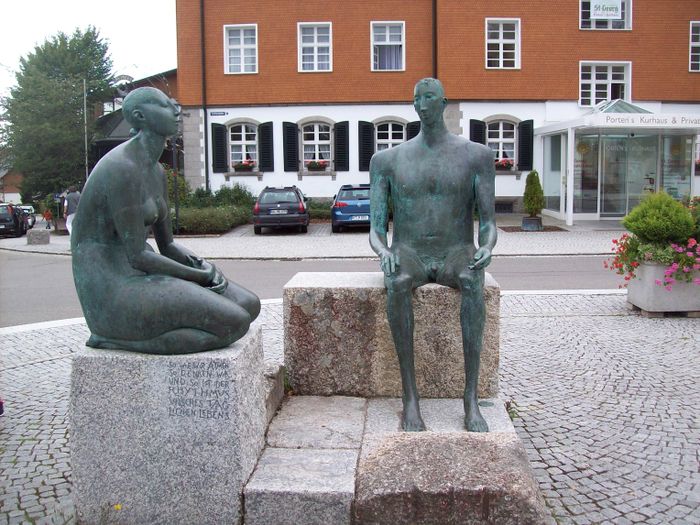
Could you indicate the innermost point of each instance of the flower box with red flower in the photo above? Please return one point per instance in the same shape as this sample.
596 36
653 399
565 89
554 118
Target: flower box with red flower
246 165
504 165
317 165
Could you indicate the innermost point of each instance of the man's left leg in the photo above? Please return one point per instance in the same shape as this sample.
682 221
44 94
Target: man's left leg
472 319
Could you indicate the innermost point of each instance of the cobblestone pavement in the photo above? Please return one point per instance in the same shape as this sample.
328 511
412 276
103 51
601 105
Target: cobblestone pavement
607 403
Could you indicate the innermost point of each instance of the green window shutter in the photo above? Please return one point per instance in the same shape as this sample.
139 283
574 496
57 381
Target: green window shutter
525 145
365 140
412 129
342 146
290 144
267 152
477 131
219 148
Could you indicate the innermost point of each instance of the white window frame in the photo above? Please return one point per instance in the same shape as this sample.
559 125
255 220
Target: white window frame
501 41
609 64
243 47
372 43
627 21
389 142
500 139
244 143
694 46
300 45
317 142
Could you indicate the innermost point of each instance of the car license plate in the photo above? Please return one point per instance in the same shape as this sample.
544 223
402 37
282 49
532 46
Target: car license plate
360 218
278 212
2 226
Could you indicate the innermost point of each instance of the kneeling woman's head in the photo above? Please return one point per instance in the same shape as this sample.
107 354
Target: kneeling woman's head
151 109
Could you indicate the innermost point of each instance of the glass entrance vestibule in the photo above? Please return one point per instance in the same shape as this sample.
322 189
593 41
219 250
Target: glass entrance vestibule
612 169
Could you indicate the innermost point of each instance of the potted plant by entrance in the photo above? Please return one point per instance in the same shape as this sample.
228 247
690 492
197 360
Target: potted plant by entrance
533 201
660 257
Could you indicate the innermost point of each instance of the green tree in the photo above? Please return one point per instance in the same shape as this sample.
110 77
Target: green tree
42 119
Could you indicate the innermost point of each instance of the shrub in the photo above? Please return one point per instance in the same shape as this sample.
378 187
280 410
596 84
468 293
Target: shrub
533 199
212 219
659 218
183 189
201 198
693 206
236 195
319 209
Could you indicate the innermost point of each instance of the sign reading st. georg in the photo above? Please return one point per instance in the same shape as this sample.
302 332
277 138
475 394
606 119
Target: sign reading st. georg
606 9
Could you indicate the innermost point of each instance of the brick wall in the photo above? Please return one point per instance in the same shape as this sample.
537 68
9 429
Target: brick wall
552 46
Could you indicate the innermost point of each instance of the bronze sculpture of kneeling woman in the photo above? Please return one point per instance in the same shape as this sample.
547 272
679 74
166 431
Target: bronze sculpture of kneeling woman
134 298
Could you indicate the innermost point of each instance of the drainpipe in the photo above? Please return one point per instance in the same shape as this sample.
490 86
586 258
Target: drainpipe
435 40
204 94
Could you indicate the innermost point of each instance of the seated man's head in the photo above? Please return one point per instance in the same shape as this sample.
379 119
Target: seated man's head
429 100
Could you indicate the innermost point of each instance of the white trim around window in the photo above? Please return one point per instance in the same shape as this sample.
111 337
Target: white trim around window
387 49
586 23
694 49
389 134
501 137
502 46
604 80
241 49
315 47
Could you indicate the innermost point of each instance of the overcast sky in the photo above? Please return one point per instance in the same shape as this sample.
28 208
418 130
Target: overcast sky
141 33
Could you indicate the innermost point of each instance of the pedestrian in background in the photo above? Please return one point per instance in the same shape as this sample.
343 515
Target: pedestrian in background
48 217
70 206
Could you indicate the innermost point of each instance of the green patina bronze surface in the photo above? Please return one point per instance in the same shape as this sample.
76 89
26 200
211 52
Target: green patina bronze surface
434 181
134 298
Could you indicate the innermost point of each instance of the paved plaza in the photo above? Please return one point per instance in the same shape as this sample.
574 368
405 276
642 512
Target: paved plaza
606 399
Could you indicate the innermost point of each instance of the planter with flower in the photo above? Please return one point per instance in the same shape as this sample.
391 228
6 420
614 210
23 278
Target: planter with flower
660 258
246 165
504 165
317 165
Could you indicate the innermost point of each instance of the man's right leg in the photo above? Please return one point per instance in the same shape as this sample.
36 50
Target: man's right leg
399 306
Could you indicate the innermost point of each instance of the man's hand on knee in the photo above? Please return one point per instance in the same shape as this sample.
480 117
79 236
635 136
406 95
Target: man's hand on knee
389 262
482 258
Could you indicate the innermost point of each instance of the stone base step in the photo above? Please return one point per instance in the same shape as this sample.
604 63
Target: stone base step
341 460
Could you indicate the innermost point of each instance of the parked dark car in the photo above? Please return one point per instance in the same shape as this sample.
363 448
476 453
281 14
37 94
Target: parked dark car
350 207
280 208
13 220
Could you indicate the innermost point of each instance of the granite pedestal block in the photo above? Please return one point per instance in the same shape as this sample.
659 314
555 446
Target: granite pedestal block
307 471
341 460
38 236
166 439
338 340
444 475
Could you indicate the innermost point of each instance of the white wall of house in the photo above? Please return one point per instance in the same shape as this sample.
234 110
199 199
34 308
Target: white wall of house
510 184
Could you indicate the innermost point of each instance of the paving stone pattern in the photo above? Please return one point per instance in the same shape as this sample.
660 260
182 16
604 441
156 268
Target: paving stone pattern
607 404
607 407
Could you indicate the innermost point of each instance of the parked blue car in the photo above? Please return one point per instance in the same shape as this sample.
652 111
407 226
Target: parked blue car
350 207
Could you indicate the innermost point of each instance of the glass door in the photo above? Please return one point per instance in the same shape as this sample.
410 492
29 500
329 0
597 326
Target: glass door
642 167
676 165
586 174
554 164
613 190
